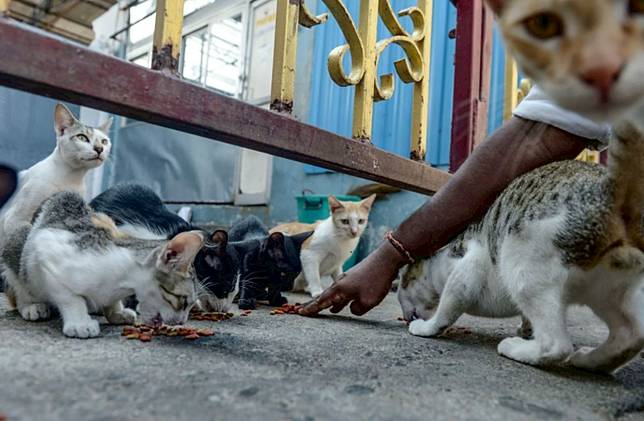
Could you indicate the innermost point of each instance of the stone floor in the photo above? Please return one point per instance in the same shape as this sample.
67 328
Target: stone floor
294 368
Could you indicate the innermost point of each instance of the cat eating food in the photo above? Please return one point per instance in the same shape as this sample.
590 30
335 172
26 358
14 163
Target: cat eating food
76 260
566 233
334 240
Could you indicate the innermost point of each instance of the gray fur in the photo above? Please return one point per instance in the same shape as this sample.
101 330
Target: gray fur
11 255
580 190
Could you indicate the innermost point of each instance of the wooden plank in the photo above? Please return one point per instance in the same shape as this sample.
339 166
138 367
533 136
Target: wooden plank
471 79
36 62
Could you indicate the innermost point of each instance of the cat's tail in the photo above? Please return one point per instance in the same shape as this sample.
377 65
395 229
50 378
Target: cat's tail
626 174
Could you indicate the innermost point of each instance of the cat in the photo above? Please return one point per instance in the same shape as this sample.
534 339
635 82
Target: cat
77 261
79 148
140 212
334 240
8 184
587 55
267 262
566 233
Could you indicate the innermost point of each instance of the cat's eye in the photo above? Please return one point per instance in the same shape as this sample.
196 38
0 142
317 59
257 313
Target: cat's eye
544 25
636 7
104 141
344 221
82 138
361 221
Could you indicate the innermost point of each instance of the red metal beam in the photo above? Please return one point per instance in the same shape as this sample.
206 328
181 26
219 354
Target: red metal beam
34 61
471 78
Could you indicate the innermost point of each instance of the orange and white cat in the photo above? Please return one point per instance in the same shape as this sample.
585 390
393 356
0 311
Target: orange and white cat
586 55
333 241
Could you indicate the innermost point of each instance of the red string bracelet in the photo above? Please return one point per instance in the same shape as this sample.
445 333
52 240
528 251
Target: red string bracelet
399 247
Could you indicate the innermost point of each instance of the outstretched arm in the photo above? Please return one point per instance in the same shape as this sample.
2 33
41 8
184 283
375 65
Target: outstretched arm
514 149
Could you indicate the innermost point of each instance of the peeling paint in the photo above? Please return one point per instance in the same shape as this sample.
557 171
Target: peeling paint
164 60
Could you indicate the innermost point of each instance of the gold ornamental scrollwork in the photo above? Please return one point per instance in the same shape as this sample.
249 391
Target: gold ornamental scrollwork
364 50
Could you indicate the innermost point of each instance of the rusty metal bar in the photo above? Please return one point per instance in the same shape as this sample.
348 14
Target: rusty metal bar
4 6
36 62
420 109
471 78
167 36
284 56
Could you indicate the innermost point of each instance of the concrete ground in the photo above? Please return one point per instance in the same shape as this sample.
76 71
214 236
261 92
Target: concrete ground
294 368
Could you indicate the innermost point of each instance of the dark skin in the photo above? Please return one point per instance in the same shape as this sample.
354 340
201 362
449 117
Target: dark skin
514 149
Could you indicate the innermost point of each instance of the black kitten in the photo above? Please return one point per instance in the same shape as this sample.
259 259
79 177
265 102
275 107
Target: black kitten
268 262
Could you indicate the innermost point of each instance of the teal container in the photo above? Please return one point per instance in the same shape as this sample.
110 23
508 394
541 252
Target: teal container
314 207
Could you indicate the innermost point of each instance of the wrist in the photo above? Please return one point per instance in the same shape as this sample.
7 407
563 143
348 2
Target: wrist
394 258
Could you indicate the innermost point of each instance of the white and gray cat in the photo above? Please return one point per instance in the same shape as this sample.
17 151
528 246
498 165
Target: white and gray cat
566 233
79 148
76 260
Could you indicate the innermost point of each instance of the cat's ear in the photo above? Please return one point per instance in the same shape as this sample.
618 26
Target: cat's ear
8 183
496 5
299 239
63 119
219 239
273 241
105 127
368 202
179 253
334 204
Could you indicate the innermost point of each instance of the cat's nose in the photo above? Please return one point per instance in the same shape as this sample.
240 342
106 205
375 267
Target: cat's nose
98 149
603 78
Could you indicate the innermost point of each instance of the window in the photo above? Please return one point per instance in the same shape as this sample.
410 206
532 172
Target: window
142 60
212 56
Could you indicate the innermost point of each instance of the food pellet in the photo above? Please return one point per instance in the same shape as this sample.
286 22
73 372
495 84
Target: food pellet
146 333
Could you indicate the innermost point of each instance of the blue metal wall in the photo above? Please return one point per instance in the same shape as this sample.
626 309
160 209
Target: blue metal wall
332 106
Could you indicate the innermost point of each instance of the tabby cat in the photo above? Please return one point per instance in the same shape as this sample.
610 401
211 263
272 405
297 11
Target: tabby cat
566 233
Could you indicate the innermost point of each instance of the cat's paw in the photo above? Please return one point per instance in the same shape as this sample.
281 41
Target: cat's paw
82 330
278 301
426 328
122 317
247 304
316 292
34 312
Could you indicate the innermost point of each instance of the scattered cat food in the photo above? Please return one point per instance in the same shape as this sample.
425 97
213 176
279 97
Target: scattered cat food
247 312
210 316
400 319
145 333
3 417
287 309
459 329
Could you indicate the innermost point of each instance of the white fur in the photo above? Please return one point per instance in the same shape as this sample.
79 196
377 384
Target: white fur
63 170
80 281
326 252
531 280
